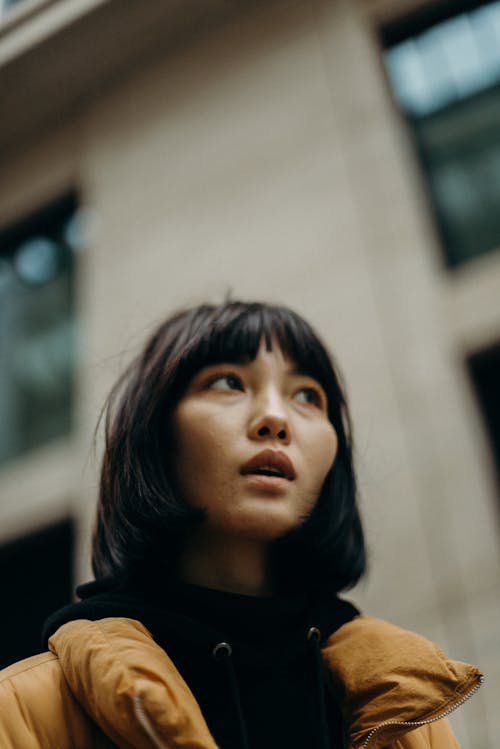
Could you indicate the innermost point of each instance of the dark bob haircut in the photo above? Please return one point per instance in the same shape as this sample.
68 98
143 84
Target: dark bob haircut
140 522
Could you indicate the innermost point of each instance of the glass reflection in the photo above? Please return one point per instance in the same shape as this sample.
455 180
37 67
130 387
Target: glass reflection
451 61
37 329
37 260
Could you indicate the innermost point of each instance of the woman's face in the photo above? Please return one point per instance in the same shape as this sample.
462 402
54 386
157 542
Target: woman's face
252 445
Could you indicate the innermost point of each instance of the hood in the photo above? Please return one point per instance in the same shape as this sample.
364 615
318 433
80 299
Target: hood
187 616
268 640
389 680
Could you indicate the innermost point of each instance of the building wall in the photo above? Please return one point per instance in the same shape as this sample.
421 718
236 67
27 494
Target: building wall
264 158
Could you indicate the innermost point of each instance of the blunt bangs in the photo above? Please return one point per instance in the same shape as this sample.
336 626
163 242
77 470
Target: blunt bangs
234 334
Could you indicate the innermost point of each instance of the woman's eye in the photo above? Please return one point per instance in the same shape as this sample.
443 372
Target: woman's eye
309 396
225 382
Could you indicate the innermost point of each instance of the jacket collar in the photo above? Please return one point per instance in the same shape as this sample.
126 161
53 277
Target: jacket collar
388 681
388 678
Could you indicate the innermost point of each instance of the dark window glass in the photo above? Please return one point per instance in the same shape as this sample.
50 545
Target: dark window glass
484 369
37 327
446 80
37 578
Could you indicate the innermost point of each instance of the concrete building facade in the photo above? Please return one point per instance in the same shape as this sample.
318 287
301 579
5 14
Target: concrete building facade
255 149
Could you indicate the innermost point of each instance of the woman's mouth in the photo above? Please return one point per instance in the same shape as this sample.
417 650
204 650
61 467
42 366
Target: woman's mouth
270 464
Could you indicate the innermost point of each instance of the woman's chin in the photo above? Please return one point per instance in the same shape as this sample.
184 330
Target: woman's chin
264 526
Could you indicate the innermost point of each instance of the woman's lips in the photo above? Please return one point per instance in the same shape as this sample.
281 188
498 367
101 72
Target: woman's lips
269 464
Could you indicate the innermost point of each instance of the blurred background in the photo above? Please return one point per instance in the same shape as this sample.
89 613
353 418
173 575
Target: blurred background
338 156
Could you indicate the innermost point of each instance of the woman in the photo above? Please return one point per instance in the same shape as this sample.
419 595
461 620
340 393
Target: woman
227 523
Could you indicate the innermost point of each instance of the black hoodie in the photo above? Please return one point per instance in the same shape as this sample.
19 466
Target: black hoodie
261 689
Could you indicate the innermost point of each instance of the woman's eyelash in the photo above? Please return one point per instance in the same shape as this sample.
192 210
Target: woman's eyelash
313 396
230 380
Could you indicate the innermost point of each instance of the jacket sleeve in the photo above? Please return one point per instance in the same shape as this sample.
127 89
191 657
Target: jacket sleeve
129 685
37 710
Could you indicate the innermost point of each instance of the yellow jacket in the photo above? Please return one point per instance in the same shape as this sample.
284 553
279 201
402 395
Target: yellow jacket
107 684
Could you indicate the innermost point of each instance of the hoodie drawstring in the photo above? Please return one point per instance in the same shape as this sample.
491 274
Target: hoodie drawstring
223 652
314 637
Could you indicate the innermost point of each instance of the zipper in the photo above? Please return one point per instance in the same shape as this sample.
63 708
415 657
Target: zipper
419 723
146 723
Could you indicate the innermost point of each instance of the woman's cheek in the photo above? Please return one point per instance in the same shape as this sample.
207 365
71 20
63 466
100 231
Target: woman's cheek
328 451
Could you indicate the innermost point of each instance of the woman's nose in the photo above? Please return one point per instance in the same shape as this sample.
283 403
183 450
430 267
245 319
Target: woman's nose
270 422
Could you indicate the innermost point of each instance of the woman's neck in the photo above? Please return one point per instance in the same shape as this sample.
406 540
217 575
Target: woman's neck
213 560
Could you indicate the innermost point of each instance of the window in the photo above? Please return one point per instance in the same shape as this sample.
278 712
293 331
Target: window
484 370
446 80
37 327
